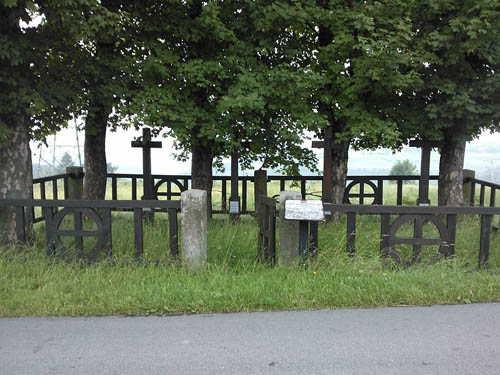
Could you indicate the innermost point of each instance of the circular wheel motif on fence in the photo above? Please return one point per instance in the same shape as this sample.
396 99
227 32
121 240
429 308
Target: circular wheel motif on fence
78 234
371 193
417 242
169 193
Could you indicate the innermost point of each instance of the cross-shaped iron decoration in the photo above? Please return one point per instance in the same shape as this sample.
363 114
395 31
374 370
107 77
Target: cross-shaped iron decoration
146 144
423 186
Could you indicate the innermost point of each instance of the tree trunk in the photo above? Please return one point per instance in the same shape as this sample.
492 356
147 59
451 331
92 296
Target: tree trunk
94 187
340 157
451 165
16 179
201 172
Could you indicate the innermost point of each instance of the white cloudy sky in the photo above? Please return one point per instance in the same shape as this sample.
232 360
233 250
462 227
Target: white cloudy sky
481 154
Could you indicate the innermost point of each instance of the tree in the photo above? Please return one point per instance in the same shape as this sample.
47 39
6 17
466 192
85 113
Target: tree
30 104
358 49
457 57
404 168
110 168
66 161
99 51
220 75
40 85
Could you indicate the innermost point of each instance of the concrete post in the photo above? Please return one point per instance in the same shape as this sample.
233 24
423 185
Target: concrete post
194 228
288 251
468 186
260 187
75 183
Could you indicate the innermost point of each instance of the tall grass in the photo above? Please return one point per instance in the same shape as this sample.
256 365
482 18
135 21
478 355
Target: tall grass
33 284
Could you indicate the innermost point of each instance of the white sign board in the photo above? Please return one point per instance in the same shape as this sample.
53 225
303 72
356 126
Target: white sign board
304 210
234 207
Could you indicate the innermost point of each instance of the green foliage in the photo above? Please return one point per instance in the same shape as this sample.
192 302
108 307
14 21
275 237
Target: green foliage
47 66
213 82
65 161
457 57
110 168
220 73
358 48
402 168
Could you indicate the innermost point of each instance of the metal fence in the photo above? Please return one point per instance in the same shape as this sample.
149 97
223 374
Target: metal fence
364 189
99 213
443 218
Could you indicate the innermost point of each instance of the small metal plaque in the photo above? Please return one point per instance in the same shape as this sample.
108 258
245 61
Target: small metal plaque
304 210
234 207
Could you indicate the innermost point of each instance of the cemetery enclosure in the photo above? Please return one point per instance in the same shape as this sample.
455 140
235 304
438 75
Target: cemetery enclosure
368 190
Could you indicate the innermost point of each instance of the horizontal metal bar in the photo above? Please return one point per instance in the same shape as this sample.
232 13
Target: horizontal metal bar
78 233
94 204
414 241
277 178
366 209
49 178
482 182
419 210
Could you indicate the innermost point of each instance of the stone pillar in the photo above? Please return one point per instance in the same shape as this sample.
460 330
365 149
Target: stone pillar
260 187
75 183
468 186
288 251
194 228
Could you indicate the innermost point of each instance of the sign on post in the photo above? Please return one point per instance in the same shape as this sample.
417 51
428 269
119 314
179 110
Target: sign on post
234 207
308 213
304 210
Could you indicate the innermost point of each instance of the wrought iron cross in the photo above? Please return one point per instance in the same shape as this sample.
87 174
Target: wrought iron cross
146 144
425 162
327 145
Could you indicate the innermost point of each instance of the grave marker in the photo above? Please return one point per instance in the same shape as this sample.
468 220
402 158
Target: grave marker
327 145
146 144
425 162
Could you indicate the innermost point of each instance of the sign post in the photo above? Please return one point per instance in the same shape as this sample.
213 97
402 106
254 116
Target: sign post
234 199
308 213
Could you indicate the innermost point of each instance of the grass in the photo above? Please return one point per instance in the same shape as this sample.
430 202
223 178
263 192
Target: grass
32 284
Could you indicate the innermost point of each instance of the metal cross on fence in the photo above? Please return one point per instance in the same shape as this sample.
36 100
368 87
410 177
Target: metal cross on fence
146 144
423 186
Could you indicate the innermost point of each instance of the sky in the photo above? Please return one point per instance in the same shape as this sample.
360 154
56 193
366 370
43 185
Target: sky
482 155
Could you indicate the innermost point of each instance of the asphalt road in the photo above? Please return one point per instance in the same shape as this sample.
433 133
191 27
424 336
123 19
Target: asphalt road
462 339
